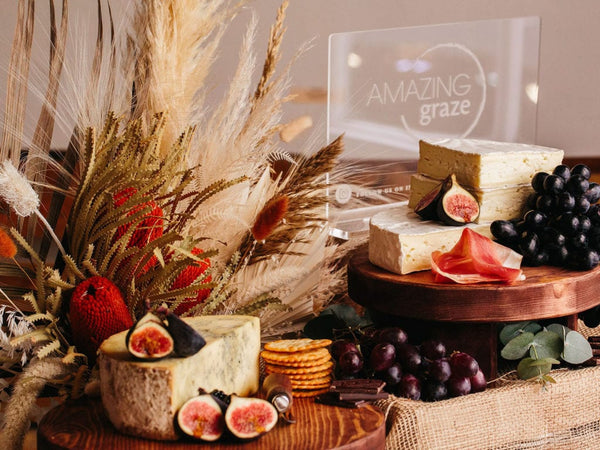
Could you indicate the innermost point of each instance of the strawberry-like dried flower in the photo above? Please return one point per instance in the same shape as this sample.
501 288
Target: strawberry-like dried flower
147 230
269 217
97 311
8 249
187 276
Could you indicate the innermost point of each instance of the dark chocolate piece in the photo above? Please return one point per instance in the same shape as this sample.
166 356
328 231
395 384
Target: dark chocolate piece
331 399
362 396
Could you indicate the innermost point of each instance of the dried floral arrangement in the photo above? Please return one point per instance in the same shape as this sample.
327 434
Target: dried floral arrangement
158 198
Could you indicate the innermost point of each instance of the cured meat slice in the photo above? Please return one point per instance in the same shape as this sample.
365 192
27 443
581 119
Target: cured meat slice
477 259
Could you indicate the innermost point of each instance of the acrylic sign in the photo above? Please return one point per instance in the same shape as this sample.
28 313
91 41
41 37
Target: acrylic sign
390 88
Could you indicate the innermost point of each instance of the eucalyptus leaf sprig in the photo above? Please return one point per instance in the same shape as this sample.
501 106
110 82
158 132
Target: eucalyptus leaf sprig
539 348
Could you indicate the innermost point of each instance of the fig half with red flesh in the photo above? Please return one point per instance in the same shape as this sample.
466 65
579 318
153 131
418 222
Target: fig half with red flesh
201 417
149 339
248 418
457 206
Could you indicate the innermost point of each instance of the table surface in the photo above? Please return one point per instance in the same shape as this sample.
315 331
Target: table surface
83 424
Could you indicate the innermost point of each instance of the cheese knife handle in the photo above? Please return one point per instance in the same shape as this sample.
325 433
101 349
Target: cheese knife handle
277 389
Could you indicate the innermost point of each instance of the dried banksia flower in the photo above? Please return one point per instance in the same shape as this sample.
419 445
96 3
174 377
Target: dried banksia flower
16 190
269 217
8 249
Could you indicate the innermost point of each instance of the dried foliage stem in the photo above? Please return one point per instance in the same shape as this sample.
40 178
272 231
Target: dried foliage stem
26 390
16 91
273 53
40 146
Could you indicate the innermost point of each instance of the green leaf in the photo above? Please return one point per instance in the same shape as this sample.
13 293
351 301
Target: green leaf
517 347
346 314
529 368
322 327
548 379
544 361
546 344
512 330
366 320
559 329
577 349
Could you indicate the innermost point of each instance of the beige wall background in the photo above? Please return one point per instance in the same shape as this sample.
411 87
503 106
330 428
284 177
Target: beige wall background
569 67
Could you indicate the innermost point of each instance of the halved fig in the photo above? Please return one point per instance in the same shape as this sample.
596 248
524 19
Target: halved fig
149 340
187 340
248 418
427 206
201 417
457 206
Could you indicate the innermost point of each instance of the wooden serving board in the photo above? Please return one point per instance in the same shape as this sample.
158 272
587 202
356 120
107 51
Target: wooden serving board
468 317
84 425
547 292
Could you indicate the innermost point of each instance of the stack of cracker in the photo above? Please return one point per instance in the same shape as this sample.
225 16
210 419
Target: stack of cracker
307 362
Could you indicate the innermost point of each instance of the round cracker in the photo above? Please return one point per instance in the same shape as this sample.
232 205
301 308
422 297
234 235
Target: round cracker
309 376
311 384
276 368
297 364
296 345
288 358
298 393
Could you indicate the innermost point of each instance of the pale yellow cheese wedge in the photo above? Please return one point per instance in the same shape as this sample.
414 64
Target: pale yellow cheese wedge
486 164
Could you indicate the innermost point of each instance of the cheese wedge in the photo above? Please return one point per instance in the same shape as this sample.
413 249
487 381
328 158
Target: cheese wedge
485 164
142 398
401 242
494 203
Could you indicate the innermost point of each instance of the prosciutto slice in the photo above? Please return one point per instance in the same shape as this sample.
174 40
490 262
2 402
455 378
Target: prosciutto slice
477 259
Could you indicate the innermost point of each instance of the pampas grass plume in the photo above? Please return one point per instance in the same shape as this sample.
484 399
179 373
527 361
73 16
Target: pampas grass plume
8 249
269 217
16 190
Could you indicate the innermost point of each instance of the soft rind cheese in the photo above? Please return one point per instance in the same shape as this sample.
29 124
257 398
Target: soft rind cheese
142 398
485 164
401 242
494 203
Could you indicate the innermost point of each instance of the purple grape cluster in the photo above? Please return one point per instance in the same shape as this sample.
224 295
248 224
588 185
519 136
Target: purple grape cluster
423 372
562 224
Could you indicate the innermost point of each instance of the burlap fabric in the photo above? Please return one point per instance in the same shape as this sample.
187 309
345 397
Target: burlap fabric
516 415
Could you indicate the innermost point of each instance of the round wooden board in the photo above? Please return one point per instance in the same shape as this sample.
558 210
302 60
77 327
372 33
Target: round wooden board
84 425
547 292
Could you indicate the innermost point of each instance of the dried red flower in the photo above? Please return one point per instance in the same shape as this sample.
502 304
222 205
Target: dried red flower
187 277
147 230
8 249
269 217
97 310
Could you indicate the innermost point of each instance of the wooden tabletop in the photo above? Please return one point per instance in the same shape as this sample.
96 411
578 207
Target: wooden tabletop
547 292
84 425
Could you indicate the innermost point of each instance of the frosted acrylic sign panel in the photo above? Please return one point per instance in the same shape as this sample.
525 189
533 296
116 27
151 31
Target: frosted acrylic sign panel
390 88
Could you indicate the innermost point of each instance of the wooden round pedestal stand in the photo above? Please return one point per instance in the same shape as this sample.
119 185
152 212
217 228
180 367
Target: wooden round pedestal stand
466 317
84 425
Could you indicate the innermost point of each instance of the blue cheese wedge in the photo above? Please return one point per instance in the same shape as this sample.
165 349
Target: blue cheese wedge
485 164
142 397
401 242
494 203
